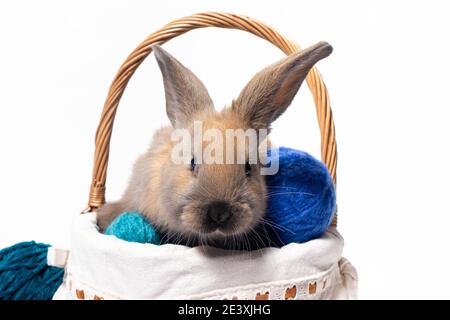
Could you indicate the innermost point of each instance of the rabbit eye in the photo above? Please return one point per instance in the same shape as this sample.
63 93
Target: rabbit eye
248 169
193 164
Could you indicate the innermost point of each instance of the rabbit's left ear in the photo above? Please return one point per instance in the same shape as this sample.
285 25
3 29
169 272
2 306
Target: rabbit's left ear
186 96
271 91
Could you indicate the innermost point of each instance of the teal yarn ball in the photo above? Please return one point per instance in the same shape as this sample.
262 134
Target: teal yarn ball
133 227
25 275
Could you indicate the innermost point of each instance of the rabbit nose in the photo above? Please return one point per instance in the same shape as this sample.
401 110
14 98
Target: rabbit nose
219 212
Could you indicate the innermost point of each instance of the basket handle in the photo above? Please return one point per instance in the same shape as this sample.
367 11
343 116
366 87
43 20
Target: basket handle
176 28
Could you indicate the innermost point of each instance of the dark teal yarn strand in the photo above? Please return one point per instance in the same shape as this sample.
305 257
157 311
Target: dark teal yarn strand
25 275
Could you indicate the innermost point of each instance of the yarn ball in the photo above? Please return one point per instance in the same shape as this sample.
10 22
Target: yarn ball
133 227
25 275
302 198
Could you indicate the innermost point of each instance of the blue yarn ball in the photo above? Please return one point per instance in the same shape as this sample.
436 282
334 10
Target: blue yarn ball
302 198
25 275
133 227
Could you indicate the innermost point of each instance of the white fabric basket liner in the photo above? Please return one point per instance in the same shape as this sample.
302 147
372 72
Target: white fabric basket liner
105 267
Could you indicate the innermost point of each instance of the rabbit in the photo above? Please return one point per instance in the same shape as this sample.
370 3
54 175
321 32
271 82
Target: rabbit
204 203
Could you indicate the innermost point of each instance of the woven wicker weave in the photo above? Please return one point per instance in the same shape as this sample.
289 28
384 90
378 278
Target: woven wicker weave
176 28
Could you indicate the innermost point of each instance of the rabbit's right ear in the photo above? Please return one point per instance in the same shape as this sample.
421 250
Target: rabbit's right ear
186 96
272 90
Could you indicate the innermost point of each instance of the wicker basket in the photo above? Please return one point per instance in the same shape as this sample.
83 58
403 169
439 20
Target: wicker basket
100 267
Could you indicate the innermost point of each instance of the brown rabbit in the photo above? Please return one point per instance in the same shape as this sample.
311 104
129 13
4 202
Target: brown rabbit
207 202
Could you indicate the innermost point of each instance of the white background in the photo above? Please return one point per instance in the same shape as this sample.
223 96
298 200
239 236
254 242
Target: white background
388 81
